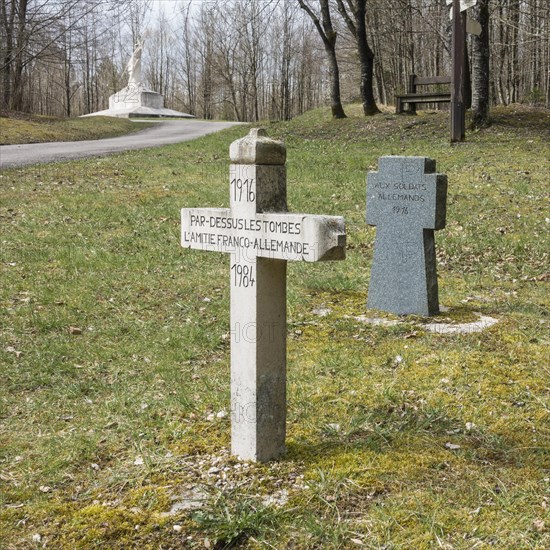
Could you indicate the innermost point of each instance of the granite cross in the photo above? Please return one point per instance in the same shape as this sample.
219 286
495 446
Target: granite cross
406 201
261 237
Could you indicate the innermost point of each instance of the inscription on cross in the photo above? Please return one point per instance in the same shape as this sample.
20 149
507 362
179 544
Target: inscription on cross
261 237
406 201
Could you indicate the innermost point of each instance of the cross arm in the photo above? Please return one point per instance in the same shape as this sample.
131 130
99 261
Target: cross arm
324 235
198 228
282 236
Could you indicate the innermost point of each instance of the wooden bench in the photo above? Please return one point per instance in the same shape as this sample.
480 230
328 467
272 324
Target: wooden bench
413 97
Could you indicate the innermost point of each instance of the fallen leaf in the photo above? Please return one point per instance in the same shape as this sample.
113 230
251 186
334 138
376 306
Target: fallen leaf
539 525
11 349
75 330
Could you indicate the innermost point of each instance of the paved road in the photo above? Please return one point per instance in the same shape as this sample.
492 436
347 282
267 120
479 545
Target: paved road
162 133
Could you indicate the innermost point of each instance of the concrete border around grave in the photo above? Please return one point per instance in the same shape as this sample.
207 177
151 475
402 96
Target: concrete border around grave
484 322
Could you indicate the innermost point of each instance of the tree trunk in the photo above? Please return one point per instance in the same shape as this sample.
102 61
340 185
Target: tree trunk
467 77
480 68
358 28
207 79
328 36
7 23
515 9
18 84
334 72
366 59
285 68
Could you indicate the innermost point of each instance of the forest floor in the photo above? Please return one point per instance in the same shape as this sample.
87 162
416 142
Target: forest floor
18 128
114 354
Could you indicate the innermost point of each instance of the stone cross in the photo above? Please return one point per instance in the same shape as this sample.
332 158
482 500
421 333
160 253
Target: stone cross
406 201
261 237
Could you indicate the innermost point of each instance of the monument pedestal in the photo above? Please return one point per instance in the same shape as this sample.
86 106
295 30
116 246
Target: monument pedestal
137 101
130 98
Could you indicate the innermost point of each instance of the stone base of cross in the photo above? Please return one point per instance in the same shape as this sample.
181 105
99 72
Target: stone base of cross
261 237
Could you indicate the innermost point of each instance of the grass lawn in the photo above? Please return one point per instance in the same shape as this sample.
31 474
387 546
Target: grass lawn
23 128
115 357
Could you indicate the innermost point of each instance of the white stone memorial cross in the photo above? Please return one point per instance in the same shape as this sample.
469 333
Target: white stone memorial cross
261 237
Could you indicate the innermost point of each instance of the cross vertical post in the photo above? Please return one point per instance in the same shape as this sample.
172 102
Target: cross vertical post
258 307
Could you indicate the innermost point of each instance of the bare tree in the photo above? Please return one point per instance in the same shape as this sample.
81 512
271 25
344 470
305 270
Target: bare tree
31 30
7 20
17 59
189 66
355 21
328 36
285 88
139 10
480 67
258 59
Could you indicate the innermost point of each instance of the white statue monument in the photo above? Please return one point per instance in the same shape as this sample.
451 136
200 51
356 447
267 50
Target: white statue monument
134 67
135 100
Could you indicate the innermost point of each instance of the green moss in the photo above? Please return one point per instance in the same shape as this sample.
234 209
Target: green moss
97 525
149 498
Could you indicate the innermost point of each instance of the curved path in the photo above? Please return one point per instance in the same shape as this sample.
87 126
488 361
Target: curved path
162 133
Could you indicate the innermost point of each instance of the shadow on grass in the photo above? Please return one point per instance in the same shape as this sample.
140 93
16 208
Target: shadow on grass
523 117
416 428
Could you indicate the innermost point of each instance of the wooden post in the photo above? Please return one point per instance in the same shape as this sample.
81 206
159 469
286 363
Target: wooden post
458 110
412 90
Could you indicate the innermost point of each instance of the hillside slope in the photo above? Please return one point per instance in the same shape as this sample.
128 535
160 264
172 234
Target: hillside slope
22 128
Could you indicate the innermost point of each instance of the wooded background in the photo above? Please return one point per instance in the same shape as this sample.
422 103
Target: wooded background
249 59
